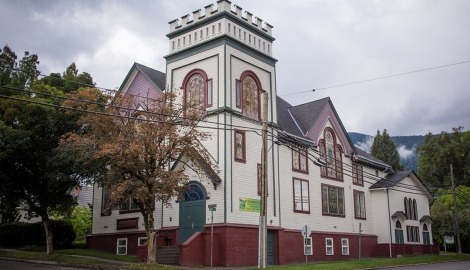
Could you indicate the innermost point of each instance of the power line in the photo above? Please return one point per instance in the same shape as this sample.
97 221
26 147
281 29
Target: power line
380 78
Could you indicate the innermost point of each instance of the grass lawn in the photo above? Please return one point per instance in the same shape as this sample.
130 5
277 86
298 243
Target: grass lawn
41 256
370 263
98 254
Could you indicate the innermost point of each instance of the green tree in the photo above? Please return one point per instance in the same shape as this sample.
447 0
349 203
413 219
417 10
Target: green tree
438 152
385 149
442 213
20 75
80 217
70 80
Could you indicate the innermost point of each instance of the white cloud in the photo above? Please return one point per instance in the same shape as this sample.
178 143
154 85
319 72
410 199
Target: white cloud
405 152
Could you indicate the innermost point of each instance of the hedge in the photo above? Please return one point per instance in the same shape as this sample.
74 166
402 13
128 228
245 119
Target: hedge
17 234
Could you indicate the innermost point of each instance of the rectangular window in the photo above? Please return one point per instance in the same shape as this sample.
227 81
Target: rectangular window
269 49
301 196
121 246
238 93
201 35
173 45
239 33
184 41
234 30
308 246
105 201
129 205
220 28
213 29
264 46
207 31
249 38
179 43
209 93
329 246
141 241
195 36
359 205
244 35
254 41
189 39
240 146
332 200
299 160
357 174
229 27
412 233
345 246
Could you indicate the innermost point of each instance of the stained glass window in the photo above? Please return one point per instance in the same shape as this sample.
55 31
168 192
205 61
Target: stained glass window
357 174
195 92
299 160
295 159
331 153
194 193
250 98
333 200
239 145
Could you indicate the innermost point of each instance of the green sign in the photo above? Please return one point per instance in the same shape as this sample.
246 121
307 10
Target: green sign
212 209
249 205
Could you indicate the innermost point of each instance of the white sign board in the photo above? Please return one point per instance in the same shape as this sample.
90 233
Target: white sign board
449 239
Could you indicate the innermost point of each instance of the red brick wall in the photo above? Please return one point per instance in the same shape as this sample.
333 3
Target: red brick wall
108 242
406 249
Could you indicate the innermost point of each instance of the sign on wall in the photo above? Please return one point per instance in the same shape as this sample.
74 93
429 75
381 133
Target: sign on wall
249 205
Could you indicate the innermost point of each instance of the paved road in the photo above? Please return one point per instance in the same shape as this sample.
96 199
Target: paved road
438 266
17 265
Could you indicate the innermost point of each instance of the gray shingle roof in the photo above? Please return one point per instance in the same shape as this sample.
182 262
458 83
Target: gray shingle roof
307 114
284 120
157 77
367 156
391 180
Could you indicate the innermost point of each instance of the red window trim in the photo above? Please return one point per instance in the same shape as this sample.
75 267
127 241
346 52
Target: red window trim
340 159
362 174
293 194
185 82
258 85
242 160
355 213
134 210
344 204
299 170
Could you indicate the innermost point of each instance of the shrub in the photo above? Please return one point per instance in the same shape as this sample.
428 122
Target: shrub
17 234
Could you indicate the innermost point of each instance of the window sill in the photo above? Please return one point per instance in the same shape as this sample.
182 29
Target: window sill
302 212
333 215
357 184
300 171
331 178
129 211
240 160
360 218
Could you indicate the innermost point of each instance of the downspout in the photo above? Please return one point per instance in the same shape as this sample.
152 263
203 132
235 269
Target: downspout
389 226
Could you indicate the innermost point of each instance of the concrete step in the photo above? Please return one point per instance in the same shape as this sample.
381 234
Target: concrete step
168 255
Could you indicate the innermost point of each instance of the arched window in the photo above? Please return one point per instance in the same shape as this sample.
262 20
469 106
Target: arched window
425 228
248 90
197 91
194 193
411 210
398 225
331 153
415 210
405 202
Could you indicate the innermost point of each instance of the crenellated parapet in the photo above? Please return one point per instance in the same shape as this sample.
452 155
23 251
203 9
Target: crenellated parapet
222 6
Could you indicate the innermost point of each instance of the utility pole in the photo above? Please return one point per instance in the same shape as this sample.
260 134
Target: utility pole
457 229
264 185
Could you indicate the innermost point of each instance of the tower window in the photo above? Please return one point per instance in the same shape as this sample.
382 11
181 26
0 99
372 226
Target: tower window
254 41
184 41
248 92
178 43
201 35
220 27
268 49
239 33
197 92
189 39
234 30
264 46
229 27
213 29
195 36
249 38
173 44
244 35
207 31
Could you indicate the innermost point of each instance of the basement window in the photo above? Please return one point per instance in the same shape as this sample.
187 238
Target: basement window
141 241
329 246
121 246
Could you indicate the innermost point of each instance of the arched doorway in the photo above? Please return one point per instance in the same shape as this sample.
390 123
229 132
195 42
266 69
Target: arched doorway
192 211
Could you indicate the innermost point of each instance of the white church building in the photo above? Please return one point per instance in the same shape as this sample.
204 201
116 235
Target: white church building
225 57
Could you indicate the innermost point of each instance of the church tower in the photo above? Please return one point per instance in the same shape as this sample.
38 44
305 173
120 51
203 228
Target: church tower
220 60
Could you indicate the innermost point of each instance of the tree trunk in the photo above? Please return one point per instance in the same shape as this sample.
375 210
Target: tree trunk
49 237
151 238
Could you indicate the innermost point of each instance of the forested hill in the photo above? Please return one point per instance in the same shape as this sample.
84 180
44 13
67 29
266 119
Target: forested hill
406 146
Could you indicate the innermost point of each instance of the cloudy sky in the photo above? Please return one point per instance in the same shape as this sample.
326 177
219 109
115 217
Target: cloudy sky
319 45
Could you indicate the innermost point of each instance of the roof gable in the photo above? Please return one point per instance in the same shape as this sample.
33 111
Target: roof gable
392 181
156 78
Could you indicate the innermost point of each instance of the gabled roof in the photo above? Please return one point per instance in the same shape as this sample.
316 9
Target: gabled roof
369 160
157 78
284 119
399 214
426 218
392 180
307 114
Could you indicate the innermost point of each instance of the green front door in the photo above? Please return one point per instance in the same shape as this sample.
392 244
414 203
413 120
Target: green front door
271 248
426 239
192 216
